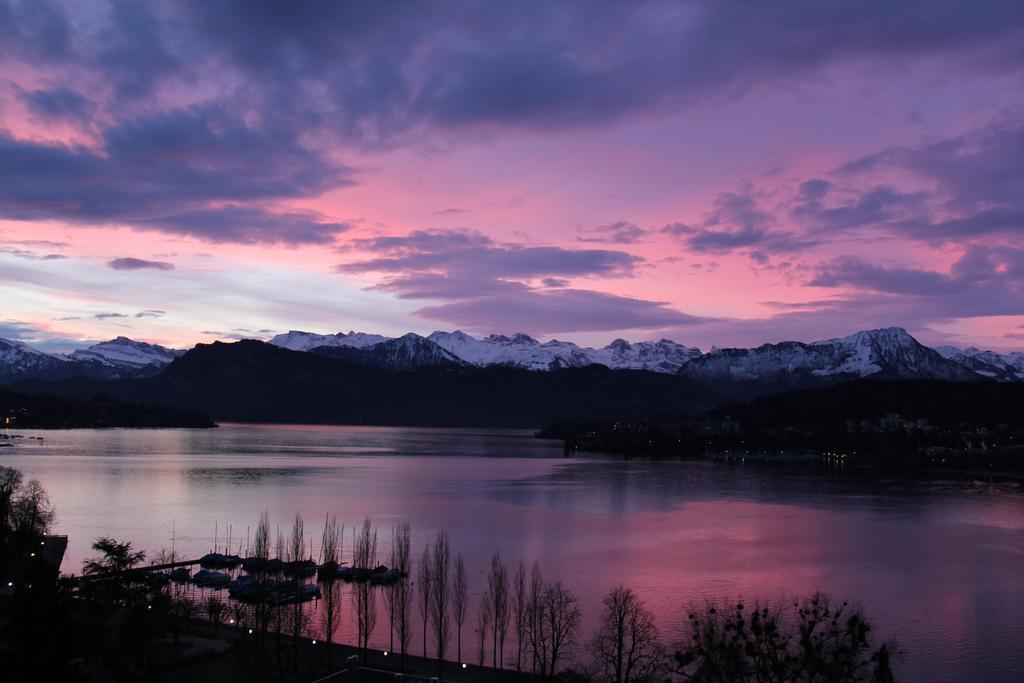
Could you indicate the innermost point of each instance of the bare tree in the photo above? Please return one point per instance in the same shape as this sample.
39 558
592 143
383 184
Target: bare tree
365 556
215 609
32 511
296 553
390 591
263 609
439 603
627 647
483 625
424 582
562 623
535 621
331 547
460 590
403 588
278 612
811 639
497 593
10 484
520 609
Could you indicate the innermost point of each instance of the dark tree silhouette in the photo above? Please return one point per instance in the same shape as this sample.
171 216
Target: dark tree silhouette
460 597
440 598
114 557
627 647
497 593
561 623
424 594
810 640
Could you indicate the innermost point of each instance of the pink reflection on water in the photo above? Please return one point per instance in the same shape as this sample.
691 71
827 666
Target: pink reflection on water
937 564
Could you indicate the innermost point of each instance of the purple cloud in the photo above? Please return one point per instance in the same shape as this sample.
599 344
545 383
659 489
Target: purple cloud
31 255
459 264
984 281
978 180
161 172
559 311
619 232
57 104
490 285
132 263
739 223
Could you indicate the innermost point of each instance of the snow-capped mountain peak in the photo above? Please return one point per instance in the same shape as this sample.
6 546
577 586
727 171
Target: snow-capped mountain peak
18 359
890 352
126 353
297 340
1004 367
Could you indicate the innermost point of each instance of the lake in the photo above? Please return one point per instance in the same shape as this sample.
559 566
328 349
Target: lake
938 564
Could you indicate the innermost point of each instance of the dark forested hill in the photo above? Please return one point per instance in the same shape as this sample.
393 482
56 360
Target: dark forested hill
254 381
19 409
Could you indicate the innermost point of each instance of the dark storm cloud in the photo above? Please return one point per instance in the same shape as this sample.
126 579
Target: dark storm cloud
275 76
556 65
373 71
131 263
35 31
158 172
57 104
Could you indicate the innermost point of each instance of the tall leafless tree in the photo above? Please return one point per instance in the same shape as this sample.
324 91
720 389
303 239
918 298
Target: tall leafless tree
497 592
365 556
298 617
441 598
483 625
520 609
460 595
562 623
390 590
627 647
424 593
331 547
403 588
535 621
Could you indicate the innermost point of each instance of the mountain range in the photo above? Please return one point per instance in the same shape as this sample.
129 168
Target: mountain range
454 379
889 353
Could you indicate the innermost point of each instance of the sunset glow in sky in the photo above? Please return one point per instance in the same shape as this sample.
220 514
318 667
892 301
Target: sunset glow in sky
719 173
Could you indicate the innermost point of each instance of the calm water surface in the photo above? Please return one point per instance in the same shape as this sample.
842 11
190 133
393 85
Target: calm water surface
938 564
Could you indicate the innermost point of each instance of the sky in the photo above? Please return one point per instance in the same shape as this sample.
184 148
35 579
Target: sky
717 172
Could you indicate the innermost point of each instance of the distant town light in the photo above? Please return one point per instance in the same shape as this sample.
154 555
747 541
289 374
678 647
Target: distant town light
385 653
465 666
314 641
250 632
